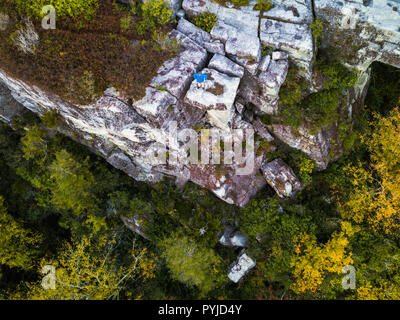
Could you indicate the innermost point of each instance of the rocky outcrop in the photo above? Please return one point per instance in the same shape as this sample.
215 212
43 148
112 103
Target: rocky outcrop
231 238
363 31
9 107
281 177
132 135
243 265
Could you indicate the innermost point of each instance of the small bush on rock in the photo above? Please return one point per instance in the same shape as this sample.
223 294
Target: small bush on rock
206 21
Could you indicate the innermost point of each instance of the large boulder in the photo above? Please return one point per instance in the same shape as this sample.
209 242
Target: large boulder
281 178
196 34
295 39
242 266
225 65
316 146
370 27
217 98
273 78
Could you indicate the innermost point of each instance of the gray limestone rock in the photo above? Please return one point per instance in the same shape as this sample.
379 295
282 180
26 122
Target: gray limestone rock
215 46
295 39
217 98
243 265
272 79
281 177
196 34
225 65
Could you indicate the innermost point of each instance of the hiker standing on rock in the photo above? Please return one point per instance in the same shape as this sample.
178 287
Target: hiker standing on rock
200 78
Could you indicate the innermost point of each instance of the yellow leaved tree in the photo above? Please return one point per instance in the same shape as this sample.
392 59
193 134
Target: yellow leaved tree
312 262
375 193
88 270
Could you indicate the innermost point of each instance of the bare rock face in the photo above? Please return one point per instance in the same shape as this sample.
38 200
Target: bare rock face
371 27
26 39
243 265
273 78
251 91
240 46
231 238
9 107
296 39
126 135
224 65
217 98
215 46
316 146
244 46
196 34
174 76
281 177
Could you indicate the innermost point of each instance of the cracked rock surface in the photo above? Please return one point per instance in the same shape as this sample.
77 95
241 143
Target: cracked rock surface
125 134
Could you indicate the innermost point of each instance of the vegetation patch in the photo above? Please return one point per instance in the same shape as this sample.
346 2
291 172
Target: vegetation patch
319 109
79 62
235 3
217 89
205 21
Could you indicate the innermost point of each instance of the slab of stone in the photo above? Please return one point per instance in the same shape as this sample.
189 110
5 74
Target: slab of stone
154 104
219 94
262 130
272 79
222 31
225 65
215 46
230 238
244 46
281 178
280 55
293 11
264 63
175 76
295 39
316 146
190 50
251 91
243 265
217 98
250 65
196 34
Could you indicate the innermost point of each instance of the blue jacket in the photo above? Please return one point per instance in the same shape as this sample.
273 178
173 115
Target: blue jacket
200 78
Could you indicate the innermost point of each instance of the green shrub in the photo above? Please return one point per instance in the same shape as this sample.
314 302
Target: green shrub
317 28
263 5
50 119
265 50
72 8
239 3
321 108
206 21
155 14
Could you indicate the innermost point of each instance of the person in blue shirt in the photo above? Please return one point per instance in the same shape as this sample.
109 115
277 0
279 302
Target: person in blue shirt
201 78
